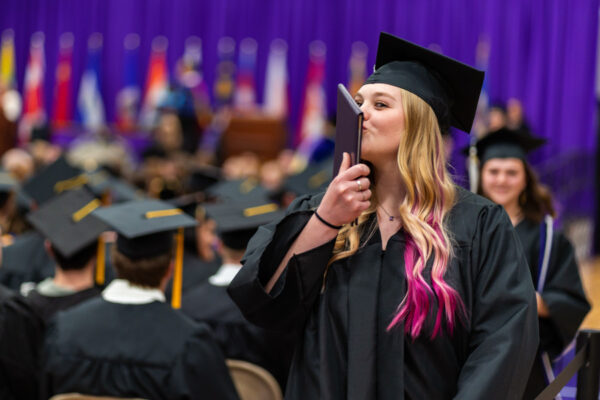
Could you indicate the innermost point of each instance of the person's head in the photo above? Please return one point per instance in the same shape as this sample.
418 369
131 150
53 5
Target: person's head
79 260
511 182
413 96
507 178
149 272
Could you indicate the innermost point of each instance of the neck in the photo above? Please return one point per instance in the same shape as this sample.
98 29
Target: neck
76 279
514 211
389 190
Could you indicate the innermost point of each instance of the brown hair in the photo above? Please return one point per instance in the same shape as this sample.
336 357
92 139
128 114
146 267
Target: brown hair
145 272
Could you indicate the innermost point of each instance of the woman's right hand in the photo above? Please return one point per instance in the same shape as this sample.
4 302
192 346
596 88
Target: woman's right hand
348 195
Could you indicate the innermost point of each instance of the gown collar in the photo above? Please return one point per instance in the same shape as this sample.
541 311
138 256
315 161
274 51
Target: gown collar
122 291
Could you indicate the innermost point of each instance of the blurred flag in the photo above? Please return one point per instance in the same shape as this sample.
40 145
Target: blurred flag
314 113
90 106
7 60
480 123
128 98
357 66
33 107
157 82
11 99
245 90
224 84
189 71
276 82
62 92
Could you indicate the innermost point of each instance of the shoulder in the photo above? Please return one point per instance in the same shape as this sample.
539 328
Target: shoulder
472 214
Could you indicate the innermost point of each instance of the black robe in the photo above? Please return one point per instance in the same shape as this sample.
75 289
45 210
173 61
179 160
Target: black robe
21 335
238 338
47 306
133 350
26 260
563 294
345 351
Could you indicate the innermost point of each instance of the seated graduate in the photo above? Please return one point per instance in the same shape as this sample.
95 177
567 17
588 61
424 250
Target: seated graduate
21 335
26 262
72 234
210 303
129 342
428 296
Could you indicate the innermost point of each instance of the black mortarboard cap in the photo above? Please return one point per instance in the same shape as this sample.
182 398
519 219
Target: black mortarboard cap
202 178
235 189
101 182
314 179
52 180
237 221
450 87
67 221
506 143
145 227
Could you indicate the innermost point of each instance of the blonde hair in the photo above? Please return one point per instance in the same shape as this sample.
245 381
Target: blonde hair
430 194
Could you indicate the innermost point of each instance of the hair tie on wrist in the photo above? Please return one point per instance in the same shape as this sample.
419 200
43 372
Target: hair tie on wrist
327 223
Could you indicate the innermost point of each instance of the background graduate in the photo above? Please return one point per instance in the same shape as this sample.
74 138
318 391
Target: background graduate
428 297
508 179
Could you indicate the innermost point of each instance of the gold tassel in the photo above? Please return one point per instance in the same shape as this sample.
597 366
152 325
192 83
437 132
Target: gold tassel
100 262
178 273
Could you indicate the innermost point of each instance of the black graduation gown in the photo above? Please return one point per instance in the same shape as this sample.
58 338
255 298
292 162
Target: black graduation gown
26 260
195 272
21 335
563 294
47 306
146 350
238 338
345 351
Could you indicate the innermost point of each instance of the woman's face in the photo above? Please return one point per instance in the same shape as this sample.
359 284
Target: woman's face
383 121
503 180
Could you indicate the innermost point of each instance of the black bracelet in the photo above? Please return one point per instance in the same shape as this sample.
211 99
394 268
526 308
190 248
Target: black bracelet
327 223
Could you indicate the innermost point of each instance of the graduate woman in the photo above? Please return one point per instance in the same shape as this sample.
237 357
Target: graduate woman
428 296
507 179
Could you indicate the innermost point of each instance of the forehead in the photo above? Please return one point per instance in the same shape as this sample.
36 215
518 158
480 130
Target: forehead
504 164
383 89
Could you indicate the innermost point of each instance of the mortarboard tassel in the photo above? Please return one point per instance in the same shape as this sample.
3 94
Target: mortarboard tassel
178 274
100 262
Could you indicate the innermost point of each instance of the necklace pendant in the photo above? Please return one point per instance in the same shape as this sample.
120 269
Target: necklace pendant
391 218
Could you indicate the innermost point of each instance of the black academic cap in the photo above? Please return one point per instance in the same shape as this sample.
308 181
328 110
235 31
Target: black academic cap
237 221
313 179
52 180
66 221
450 87
249 188
101 182
145 227
202 178
7 182
506 143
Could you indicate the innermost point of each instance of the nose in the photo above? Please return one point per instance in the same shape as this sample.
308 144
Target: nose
366 112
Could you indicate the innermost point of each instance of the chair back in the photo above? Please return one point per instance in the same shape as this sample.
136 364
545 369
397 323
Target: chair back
253 382
79 396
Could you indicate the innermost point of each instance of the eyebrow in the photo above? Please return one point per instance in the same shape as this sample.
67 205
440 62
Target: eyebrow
377 94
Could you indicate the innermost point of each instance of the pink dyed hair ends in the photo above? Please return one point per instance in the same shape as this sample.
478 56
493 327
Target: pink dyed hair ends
415 306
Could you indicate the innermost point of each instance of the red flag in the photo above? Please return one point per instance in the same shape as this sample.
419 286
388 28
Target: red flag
245 91
62 93
157 82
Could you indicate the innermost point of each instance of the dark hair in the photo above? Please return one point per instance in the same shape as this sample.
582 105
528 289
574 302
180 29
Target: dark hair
535 200
78 260
146 272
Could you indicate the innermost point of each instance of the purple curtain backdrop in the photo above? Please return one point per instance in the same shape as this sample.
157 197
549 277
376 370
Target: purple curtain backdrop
542 51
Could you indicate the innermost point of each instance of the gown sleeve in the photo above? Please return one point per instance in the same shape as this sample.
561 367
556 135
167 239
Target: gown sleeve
292 297
564 295
504 329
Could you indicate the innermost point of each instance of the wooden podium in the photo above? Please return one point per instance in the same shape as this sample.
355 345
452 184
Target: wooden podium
265 136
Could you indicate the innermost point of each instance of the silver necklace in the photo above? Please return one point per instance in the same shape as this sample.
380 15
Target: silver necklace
390 216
